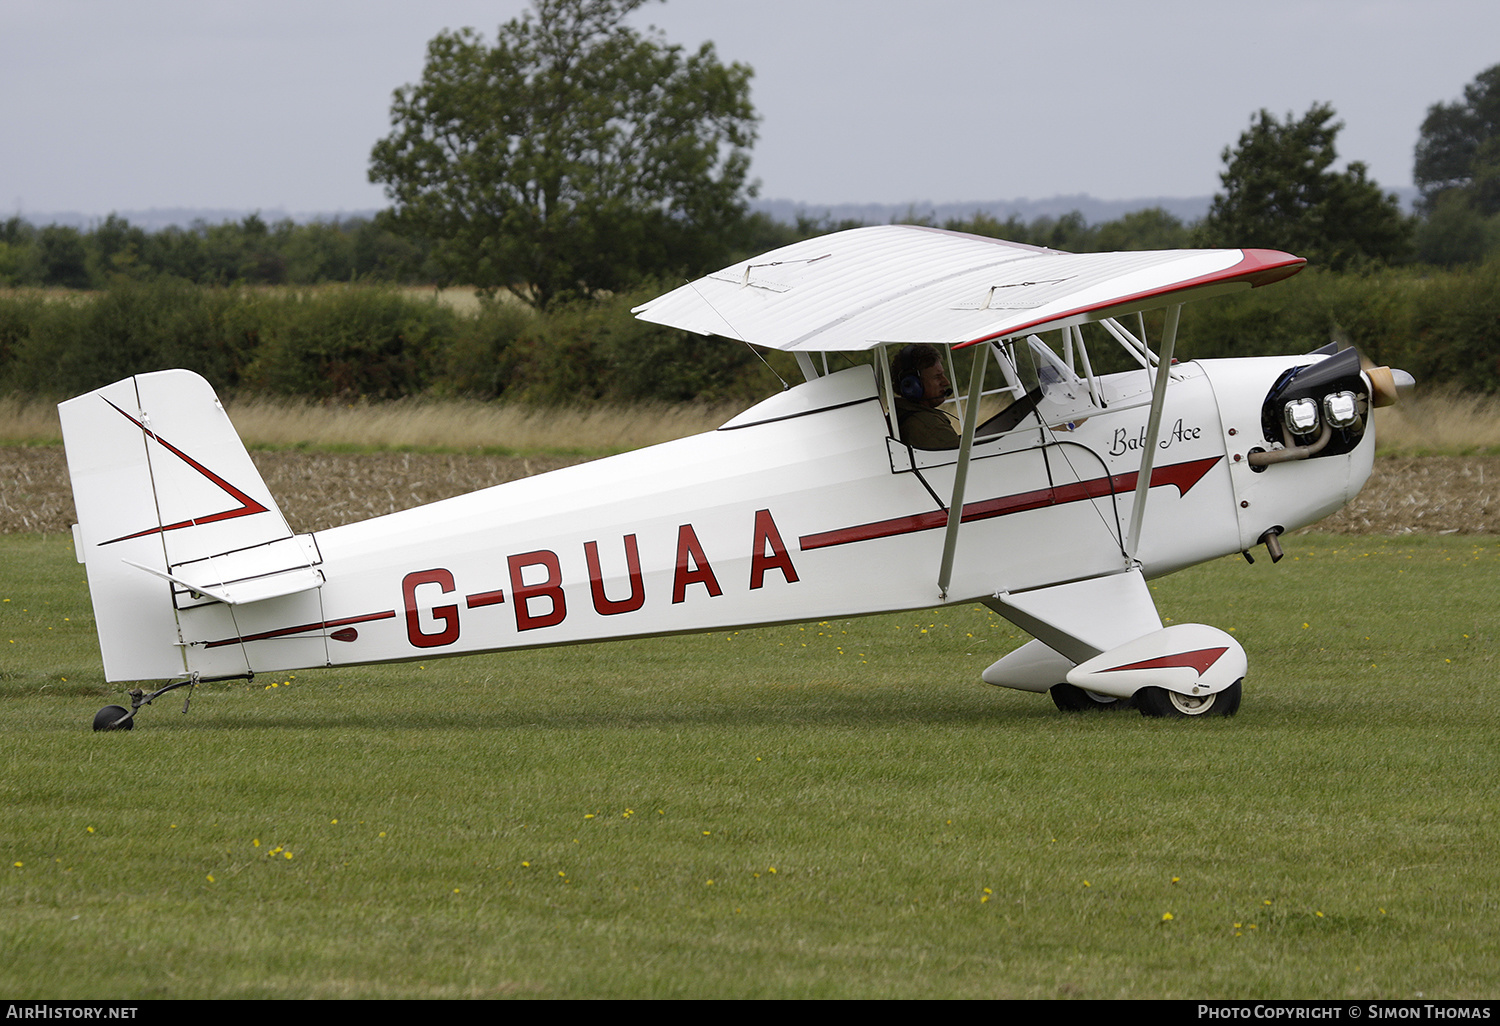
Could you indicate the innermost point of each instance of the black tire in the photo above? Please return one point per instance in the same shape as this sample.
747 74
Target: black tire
1159 703
108 718
1070 698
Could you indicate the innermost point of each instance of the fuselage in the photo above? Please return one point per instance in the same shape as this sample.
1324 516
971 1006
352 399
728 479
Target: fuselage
803 507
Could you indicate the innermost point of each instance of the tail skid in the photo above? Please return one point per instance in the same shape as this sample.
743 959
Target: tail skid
173 517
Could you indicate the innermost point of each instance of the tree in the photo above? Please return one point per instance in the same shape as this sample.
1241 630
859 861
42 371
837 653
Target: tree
1151 228
1280 193
1459 147
63 257
575 155
1453 232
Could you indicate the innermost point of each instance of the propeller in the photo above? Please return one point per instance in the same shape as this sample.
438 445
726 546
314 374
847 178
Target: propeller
1388 385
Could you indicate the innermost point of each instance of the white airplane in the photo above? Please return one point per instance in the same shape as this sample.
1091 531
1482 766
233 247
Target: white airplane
808 506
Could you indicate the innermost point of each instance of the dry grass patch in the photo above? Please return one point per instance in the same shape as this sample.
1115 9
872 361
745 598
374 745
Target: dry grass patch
27 421
1450 423
467 425
1440 422
451 425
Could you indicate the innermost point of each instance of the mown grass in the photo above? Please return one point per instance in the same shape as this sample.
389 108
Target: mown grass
837 809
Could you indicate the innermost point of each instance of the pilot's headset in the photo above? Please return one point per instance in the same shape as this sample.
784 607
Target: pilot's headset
909 383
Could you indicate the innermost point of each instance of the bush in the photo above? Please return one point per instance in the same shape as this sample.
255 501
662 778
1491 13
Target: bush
1443 327
72 345
480 360
369 341
596 349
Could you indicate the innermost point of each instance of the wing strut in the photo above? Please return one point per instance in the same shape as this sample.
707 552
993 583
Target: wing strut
961 472
1153 428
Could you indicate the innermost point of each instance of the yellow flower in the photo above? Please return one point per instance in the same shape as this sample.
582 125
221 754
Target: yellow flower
1166 917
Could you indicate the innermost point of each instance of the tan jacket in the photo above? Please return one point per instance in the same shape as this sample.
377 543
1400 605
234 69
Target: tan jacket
924 427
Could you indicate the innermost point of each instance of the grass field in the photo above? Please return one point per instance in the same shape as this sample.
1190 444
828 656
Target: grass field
837 809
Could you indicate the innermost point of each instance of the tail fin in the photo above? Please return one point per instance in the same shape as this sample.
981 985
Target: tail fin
166 496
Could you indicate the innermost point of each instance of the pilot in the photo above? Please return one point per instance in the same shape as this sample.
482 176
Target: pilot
921 386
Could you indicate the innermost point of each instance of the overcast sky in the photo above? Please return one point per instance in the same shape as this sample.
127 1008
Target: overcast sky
274 104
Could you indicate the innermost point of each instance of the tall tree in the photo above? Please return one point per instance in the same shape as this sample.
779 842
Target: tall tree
1280 192
574 155
1459 147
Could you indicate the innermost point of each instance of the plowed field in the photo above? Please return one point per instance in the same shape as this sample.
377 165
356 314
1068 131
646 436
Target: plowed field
1432 494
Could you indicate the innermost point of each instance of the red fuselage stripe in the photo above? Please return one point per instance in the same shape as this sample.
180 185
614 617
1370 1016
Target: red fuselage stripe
320 625
1183 475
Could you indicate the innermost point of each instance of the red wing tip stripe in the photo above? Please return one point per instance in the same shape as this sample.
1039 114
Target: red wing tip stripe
1256 267
282 632
1200 660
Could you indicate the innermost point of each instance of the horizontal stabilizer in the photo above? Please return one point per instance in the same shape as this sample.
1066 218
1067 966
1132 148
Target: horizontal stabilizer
234 580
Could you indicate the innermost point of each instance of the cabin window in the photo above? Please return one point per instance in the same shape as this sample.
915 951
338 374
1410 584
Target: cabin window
1027 382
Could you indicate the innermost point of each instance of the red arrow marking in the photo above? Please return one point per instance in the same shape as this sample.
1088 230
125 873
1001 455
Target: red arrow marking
1181 475
1199 660
247 507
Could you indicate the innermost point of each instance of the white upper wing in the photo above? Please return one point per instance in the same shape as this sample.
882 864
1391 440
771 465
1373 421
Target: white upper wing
858 289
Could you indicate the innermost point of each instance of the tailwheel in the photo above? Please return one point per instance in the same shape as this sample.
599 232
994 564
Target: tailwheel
1070 698
1163 704
117 717
114 717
